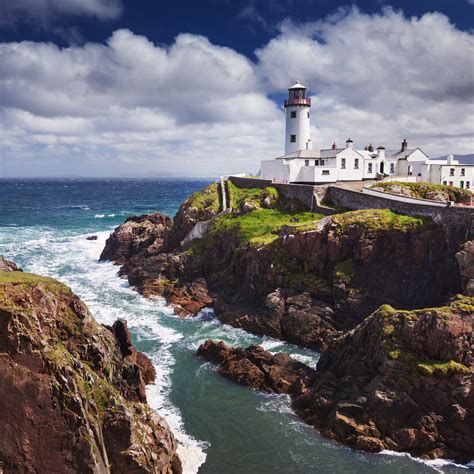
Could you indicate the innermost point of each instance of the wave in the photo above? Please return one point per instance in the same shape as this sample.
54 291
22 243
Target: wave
436 464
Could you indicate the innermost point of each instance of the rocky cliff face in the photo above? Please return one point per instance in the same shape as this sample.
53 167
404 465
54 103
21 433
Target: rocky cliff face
401 380
72 395
325 276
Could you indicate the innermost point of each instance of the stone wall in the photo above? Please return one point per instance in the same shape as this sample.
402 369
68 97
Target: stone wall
307 194
458 219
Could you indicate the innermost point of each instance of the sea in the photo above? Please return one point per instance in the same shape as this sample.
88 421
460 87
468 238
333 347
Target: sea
221 427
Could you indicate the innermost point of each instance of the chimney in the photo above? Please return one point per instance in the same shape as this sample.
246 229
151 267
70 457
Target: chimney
404 145
349 143
370 148
450 159
381 152
334 146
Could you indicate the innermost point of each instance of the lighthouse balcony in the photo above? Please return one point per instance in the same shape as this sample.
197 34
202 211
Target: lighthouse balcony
297 101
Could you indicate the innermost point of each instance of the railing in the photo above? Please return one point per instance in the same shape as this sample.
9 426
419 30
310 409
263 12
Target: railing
289 102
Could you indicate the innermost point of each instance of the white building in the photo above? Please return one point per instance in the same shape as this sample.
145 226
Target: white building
302 164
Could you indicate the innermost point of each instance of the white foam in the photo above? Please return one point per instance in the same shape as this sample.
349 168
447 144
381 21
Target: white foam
99 216
435 464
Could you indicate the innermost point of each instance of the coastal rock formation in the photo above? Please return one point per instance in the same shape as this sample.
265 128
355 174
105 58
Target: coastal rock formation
271 271
136 234
8 265
465 259
72 392
401 380
257 368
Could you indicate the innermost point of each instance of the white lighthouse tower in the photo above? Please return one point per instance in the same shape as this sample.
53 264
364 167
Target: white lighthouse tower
298 136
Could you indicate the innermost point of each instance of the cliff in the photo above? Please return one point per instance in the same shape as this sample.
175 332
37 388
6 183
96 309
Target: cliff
401 380
72 395
272 268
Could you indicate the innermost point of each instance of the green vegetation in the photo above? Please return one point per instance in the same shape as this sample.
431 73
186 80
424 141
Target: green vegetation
426 190
30 280
345 270
238 196
205 199
442 368
308 282
262 225
380 219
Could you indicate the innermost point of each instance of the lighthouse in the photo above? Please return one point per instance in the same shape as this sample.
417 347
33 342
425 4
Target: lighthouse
298 136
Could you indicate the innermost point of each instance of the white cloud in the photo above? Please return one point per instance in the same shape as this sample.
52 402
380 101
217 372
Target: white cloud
45 12
195 108
381 77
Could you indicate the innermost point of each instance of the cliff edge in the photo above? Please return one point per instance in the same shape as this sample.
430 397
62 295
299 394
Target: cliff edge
72 396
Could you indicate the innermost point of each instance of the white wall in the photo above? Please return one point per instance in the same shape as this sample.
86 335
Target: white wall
298 126
275 170
458 179
350 172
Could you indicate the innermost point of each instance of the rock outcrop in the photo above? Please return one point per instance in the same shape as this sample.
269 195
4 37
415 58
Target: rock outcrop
72 392
8 265
401 380
325 276
465 259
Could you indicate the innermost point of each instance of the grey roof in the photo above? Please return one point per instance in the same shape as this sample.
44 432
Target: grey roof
331 153
300 154
399 154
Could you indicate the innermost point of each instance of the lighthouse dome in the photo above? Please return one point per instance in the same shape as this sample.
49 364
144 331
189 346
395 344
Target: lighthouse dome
296 85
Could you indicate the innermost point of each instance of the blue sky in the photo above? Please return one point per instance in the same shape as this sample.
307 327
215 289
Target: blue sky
186 88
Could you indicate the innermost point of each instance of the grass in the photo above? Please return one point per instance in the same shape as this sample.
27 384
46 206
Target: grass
251 195
423 190
442 368
262 225
205 199
380 219
29 280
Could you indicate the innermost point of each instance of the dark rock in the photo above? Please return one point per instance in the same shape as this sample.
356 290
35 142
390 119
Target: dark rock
70 392
91 237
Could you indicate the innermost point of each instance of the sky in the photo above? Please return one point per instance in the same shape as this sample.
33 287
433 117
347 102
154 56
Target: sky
149 88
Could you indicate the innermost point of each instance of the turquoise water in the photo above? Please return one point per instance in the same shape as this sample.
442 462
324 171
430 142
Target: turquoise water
221 427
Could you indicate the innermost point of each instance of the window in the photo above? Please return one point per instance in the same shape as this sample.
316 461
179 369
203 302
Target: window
450 183
369 168
308 114
356 163
316 162
445 183
293 114
410 171
451 171
343 163
392 167
463 171
292 138
321 162
462 184
306 162
468 185
325 173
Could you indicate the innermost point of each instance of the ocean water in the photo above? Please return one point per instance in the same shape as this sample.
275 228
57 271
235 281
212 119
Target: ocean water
221 427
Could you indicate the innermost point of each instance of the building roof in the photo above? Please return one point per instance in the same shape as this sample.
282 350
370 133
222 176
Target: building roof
400 154
301 154
297 85
330 152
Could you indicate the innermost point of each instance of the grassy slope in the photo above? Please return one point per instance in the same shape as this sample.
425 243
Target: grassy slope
380 219
422 190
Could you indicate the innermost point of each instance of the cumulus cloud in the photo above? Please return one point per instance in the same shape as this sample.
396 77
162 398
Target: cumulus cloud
194 108
381 77
45 12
